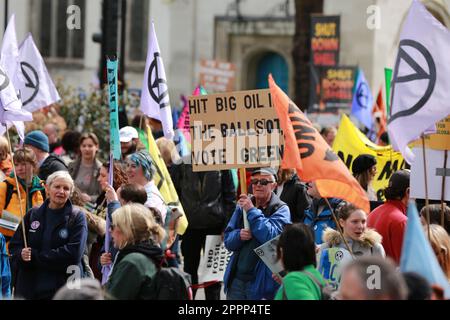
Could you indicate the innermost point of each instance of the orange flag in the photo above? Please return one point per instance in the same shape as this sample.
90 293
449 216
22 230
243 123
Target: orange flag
379 115
307 152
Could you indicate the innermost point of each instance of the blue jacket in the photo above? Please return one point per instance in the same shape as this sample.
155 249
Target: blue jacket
318 217
264 226
5 271
49 270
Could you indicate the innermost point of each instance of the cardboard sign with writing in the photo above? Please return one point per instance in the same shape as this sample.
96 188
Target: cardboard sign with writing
234 130
217 76
214 260
439 140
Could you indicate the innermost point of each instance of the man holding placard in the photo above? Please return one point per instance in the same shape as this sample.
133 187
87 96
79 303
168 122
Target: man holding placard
247 277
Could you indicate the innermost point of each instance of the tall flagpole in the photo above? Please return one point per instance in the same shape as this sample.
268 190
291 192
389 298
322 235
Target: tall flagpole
6 14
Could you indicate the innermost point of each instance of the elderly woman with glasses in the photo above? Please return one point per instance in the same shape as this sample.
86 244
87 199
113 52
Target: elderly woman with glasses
56 234
247 277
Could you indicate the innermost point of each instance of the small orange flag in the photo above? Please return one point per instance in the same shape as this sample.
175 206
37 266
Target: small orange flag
379 115
307 152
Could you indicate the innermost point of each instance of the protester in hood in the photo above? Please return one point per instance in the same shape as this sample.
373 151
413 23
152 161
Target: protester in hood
297 252
85 168
136 234
48 163
364 170
56 234
293 192
361 240
389 219
30 186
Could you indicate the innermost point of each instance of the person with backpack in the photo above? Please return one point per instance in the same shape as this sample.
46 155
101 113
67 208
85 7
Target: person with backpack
30 186
293 192
319 216
48 162
297 252
56 234
137 236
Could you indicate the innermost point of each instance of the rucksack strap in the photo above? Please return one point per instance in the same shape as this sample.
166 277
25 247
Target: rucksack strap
9 193
315 280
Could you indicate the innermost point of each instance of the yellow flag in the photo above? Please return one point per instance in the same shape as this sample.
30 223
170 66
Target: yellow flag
164 182
350 142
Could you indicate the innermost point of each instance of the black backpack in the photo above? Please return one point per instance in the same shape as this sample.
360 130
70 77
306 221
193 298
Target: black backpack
10 190
171 284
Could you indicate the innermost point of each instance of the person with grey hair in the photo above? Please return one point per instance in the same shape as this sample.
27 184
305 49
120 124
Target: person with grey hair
56 234
372 278
85 289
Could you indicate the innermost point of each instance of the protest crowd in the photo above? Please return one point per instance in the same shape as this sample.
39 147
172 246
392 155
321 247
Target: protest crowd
147 224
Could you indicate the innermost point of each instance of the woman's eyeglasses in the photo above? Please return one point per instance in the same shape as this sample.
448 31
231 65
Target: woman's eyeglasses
263 182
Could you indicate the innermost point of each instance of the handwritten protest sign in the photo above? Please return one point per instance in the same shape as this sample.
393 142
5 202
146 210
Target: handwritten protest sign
234 130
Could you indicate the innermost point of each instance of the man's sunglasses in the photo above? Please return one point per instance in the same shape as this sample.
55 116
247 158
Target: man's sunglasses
263 182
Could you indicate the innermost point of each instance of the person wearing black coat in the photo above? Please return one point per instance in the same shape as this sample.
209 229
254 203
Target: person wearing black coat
56 236
208 199
293 192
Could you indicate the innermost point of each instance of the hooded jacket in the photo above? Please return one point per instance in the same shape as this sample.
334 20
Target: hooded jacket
295 196
51 164
369 245
134 270
35 193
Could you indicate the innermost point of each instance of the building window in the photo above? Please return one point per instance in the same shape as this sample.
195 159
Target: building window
57 42
137 31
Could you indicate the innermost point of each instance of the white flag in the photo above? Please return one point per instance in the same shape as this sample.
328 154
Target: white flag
9 54
155 92
421 84
11 112
38 90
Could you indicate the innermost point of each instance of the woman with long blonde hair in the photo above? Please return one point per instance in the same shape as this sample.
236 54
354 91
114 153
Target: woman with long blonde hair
440 242
137 236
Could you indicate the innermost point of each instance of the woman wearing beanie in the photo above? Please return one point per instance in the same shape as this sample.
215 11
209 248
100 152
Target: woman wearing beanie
26 163
364 169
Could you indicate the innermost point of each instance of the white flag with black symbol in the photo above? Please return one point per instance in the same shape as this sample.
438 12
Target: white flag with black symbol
38 90
155 92
421 81
11 112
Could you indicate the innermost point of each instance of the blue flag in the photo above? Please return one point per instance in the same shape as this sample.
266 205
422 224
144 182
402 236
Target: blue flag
362 103
114 140
417 254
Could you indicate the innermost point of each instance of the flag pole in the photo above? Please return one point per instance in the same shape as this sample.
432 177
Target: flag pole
339 227
443 188
243 183
18 189
427 210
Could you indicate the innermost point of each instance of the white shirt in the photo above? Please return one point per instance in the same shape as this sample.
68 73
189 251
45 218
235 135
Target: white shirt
155 199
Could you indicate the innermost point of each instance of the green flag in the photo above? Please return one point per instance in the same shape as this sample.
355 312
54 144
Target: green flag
388 78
